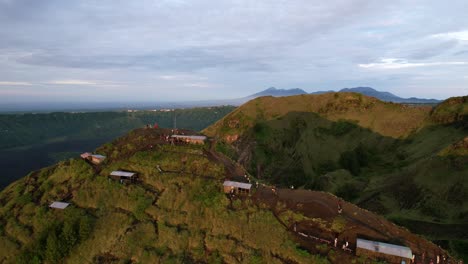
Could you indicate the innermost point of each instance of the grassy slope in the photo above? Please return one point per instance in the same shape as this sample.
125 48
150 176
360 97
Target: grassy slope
388 119
411 162
32 141
170 218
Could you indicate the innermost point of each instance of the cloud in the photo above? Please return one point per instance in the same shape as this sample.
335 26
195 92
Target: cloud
84 83
392 63
200 85
14 83
179 77
72 82
459 35
234 47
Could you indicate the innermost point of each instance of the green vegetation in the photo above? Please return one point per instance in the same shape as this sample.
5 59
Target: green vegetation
388 119
32 141
406 163
400 161
18 130
180 216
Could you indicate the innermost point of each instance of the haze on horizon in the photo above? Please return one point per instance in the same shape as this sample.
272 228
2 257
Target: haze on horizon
167 50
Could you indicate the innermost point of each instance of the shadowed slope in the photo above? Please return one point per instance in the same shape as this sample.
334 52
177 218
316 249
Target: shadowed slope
388 119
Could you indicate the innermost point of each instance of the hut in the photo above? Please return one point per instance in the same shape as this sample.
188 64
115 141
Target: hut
236 187
123 176
192 139
59 205
93 158
379 250
85 155
97 159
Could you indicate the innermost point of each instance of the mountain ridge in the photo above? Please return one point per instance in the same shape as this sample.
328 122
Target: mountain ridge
382 95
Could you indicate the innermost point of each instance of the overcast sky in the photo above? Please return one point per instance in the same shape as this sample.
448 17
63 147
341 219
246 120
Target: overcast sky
165 50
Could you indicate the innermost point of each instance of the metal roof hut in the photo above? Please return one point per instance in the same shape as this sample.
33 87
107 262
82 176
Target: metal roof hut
390 252
97 159
193 139
123 176
59 205
237 187
85 155
93 158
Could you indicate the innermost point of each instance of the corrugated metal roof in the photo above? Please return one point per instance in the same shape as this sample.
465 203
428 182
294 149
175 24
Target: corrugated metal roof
385 248
122 173
190 137
85 155
238 184
59 205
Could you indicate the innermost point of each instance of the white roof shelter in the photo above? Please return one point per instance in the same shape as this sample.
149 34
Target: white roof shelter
59 205
189 137
389 249
123 174
238 184
98 156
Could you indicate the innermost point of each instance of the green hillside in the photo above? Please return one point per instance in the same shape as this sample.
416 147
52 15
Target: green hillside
411 169
180 216
18 130
32 141
176 213
388 119
410 164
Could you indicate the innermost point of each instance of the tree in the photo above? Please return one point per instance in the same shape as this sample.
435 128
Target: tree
349 161
53 253
69 235
85 227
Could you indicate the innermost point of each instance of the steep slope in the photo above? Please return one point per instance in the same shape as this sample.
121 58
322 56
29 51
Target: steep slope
417 178
387 119
176 213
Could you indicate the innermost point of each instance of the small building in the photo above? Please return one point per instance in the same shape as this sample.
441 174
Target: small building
192 139
85 155
236 187
59 205
379 250
93 158
97 159
123 176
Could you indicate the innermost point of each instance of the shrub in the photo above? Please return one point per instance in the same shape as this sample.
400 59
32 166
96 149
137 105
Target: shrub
341 128
338 224
348 191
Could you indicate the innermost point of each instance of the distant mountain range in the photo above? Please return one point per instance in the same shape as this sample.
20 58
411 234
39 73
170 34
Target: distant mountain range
119 106
384 96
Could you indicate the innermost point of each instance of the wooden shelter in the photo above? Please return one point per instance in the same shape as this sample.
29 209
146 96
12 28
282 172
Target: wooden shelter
59 205
379 250
192 139
123 176
93 158
236 187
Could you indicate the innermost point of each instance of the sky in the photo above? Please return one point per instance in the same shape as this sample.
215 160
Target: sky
177 50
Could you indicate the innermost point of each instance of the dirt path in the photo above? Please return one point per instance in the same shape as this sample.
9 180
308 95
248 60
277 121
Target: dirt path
233 170
359 222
